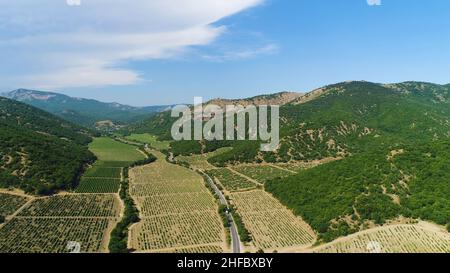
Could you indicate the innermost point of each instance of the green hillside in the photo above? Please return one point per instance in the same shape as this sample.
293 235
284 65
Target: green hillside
394 140
39 152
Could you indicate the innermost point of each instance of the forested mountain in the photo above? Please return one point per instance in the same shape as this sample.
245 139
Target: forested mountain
394 142
39 152
81 111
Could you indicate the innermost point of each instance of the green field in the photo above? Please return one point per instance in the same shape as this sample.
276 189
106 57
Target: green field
150 140
106 149
98 185
103 172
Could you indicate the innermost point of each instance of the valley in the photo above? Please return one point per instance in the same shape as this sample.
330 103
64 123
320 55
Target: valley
361 167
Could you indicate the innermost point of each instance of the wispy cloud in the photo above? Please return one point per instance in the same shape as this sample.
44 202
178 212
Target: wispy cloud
71 43
243 54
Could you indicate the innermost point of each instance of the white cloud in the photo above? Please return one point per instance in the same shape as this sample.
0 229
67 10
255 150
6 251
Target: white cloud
87 42
374 2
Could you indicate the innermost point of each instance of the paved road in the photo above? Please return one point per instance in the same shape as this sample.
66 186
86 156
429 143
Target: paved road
235 240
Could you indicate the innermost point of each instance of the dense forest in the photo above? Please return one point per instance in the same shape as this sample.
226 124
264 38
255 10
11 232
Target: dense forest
339 197
39 152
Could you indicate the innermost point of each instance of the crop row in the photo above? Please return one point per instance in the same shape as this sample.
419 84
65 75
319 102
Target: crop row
105 172
197 249
177 231
52 235
177 210
392 239
271 225
98 185
176 203
230 180
76 205
10 203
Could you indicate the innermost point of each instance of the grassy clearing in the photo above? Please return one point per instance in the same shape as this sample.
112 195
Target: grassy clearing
107 149
230 180
271 225
150 140
261 173
177 210
392 239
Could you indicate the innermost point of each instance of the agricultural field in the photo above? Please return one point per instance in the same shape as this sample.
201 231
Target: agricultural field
51 235
73 205
112 164
151 140
261 173
169 204
107 149
200 249
103 172
200 162
177 211
272 226
230 180
49 224
177 231
392 239
105 176
10 203
98 185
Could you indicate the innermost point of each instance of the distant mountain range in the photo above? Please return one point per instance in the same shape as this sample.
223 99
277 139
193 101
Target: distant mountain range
86 112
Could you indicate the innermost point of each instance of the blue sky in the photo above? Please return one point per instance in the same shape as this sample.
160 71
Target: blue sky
164 52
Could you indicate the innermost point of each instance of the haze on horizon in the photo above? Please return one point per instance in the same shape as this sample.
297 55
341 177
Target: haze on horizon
168 51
